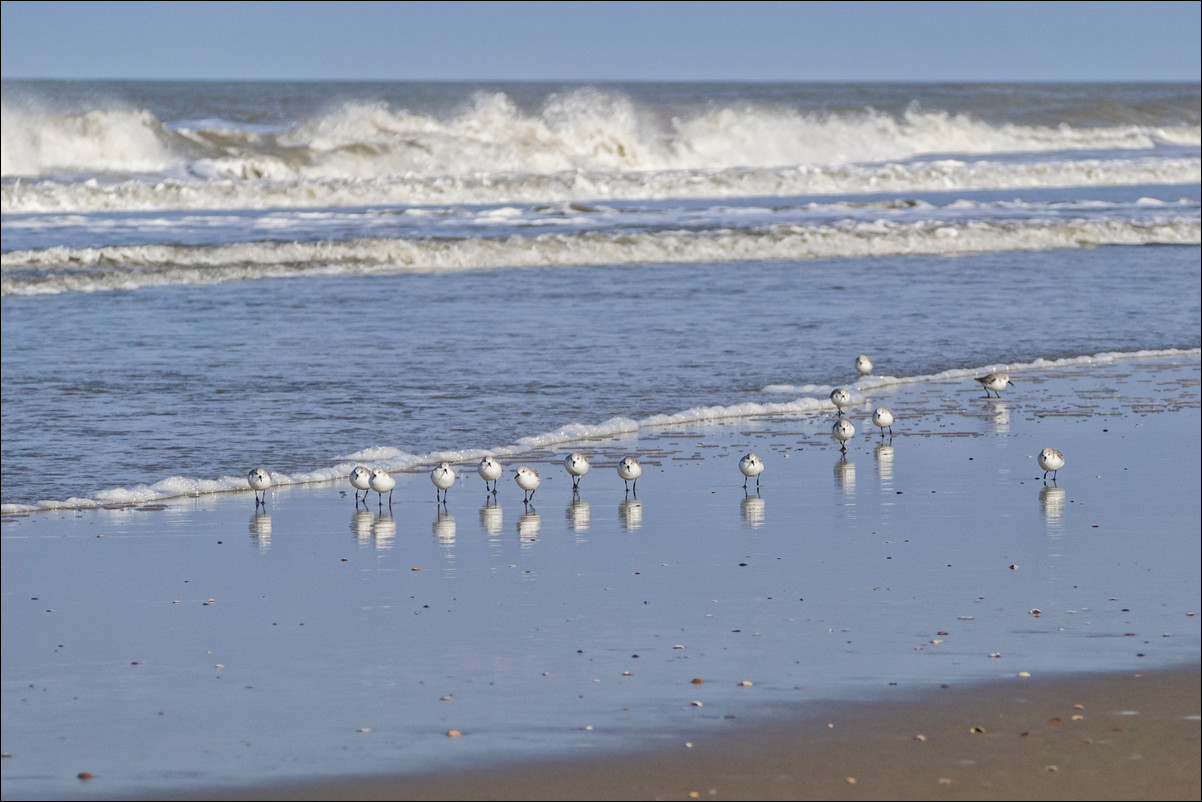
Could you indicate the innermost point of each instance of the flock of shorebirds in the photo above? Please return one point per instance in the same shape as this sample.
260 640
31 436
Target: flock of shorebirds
365 480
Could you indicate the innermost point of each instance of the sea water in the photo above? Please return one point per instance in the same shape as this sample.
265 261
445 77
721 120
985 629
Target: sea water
199 278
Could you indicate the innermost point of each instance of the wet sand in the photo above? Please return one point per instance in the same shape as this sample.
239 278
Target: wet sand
858 601
1085 737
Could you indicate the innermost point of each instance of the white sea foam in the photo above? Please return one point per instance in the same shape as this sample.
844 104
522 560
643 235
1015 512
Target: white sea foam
581 185
57 270
36 142
812 401
581 130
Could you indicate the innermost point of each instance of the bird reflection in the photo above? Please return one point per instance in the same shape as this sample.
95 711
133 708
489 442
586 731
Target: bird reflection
884 463
577 513
630 513
1051 498
845 475
361 522
998 415
383 530
491 517
752 510
444 527
260 529
528 525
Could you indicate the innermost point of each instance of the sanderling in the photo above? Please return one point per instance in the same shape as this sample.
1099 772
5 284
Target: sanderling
361 480
630 470
381 481
863 365
841 397
883 418
490 471
442 477
995 382
577 465
751 465
259 480
1051 460
844 430
527 479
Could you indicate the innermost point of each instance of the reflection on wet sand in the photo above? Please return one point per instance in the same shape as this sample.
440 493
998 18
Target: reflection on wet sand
630 513
752 510
444 526
260 529
998 415
361 525
378 528
578 514
1051 499
528 525
491 517
884 464
383 530
845 476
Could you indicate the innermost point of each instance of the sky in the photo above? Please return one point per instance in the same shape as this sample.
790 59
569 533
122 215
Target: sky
619 41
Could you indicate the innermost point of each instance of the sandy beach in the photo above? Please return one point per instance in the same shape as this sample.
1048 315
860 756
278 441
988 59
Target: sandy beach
1084 737
921 616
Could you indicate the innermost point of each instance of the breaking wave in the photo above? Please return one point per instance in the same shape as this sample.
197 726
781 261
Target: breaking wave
586 144
58 270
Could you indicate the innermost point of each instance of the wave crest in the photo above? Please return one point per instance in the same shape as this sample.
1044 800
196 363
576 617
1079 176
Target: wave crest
57 270
582 130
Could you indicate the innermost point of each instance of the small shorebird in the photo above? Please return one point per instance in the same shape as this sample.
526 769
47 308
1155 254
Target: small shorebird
442 477
995 382
1051 460
577 466
863 365
841 397
490 471
382 482
630 470
883 418
361 480
843 430
259 480
529 480
750 466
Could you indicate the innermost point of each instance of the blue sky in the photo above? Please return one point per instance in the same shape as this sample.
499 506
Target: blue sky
979 41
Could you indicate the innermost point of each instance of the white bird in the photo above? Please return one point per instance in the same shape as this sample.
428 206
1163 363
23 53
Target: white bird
527 479
382 482
490 471
883 418
844 430
259 480
443 477
361 480
630 470
863 365
750 466
1051 460
841 397
577 466
995 382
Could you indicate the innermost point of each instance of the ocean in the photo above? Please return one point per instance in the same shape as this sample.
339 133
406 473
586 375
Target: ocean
199 278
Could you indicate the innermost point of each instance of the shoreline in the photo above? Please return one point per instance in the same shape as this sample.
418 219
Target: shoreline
808 399
1107 736
314 648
